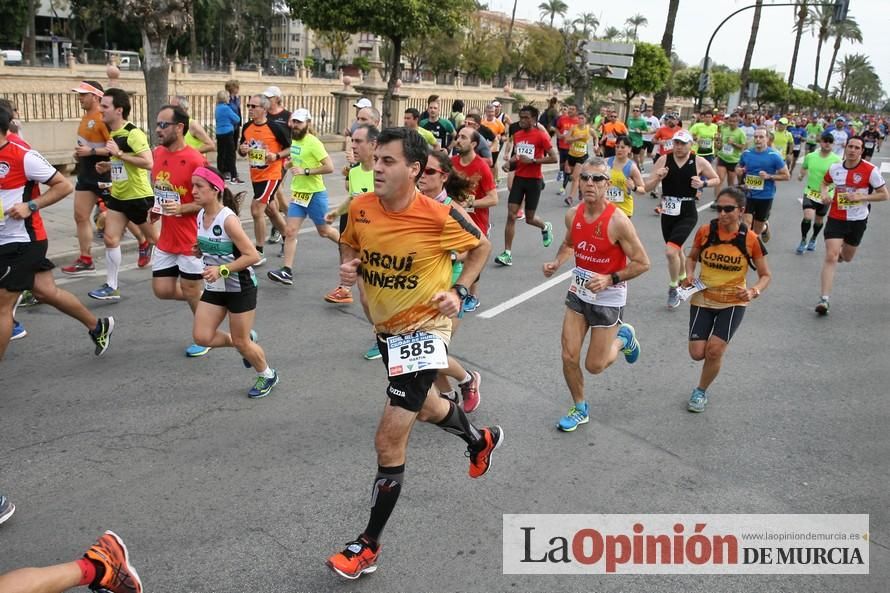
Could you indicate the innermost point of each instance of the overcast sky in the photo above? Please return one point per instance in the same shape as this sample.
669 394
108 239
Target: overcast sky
697 19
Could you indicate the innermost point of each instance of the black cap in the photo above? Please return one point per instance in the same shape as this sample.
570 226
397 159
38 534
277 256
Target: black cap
827 137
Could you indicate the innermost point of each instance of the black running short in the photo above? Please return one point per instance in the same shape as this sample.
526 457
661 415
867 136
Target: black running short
705 322
636 149
576 160
233 302
851 231
563 157
410 390
820 208
19 262
92 186
136 210
676 229
759 209
648 146
527 189
725 165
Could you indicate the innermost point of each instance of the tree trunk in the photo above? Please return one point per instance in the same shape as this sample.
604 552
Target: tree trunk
193 35
394 74
837 47
31 35
818 57
801 17
746 67
510 28
156 70
667 44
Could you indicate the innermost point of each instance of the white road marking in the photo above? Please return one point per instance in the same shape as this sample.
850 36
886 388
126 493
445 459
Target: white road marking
705 207
521 298
885 167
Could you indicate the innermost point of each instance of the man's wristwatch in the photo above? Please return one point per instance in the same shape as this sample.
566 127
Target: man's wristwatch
224 271
461 291
32 206
615 278
306 171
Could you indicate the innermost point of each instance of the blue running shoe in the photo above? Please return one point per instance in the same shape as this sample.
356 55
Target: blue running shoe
801 248
811 246
18 330
578 414
253 338
697 401
194 351
373 352
105 293
263 386
631 349
471 303
6 509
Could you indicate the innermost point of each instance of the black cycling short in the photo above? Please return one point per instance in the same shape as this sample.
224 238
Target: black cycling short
19 262
93 186
725 165
563 157
576 160
851 231
526 189
648 146
233 302
705 322
407 391
820 208
636 149
795 151
676 229
759 209
136 210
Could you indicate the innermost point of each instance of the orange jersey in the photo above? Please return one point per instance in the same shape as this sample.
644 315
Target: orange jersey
262 138
406 259
496 126
723 268
92 132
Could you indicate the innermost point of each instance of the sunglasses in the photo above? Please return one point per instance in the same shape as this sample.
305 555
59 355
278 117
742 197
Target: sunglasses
432 171
726 209
594 177
164 124
252 106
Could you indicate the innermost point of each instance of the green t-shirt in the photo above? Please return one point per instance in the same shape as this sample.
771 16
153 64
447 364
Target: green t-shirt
857 126
192 140
427 135
781 141
636 127
129 182
360 181
813 133
730 154
704 135
307 153
817 166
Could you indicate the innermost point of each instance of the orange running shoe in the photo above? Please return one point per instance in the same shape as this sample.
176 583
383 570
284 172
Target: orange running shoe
480 461
144 254
355 560
112 554
340 296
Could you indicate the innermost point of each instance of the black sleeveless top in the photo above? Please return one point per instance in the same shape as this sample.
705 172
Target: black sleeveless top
678 183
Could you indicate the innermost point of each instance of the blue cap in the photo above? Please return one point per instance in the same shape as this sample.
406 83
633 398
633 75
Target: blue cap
840 118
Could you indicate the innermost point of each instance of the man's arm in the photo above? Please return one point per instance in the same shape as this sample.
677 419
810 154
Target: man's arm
552 156
659 172
59 187
638 260
198 131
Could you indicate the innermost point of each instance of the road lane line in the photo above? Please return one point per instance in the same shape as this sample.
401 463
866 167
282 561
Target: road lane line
521 298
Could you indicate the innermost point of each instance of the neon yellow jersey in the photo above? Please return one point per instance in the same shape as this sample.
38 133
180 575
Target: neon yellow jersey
307 153
705 136
129 182
782 140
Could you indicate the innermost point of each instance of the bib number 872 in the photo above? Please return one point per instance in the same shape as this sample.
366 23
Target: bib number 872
416 349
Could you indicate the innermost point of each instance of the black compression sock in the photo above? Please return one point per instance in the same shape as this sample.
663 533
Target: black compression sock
816 228
384 494
805 225
456 422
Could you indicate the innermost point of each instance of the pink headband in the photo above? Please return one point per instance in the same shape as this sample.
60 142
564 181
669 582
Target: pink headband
210 177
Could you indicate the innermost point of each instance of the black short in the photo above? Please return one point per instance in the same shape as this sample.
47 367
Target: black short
344 220
796 152
820 208
233 302
648 146
676 229
563 156
636 149
608 151
709 157
407 391
136 210
576 160
494 157
759 209
594 315
526 189
19 262
725 165
91 185
868 153
175 272
851 231
705 322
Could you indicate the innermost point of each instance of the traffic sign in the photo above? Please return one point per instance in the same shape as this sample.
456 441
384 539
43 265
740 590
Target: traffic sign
626 49
601 59
608 72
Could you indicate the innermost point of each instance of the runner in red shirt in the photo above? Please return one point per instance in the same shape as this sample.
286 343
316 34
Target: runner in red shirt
470 165
664 136
857 183
564 125
531 149
174 163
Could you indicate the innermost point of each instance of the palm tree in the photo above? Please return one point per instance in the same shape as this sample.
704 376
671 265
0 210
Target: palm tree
636 21
819 22
852 67
746 67
588 23
510 29
799 25
667 44
612 33
552 8
846 29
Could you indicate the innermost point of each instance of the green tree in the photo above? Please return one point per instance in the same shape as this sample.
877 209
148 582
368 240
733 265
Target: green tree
802 99
649 73
541 56
723 84
481 57
636 21
749 52
667 46
772 88
397 20
14 16
444 52
337 44
819 23
845 30
612 33
551 8
586 23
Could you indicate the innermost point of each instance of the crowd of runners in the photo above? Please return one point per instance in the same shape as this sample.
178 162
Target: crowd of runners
414 236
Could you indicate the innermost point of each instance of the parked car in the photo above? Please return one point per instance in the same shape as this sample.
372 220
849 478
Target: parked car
12 57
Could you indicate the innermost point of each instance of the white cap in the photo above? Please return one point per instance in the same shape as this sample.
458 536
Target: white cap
683 136
301 115
496 103
362 103
272 91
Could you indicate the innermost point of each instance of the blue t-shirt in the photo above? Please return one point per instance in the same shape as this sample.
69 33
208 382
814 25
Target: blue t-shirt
754 162
799 134
226 119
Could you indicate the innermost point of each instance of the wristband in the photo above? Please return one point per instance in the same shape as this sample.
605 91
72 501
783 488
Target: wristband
615 278
224 271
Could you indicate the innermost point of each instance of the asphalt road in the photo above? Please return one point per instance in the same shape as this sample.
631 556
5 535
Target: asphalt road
217 493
